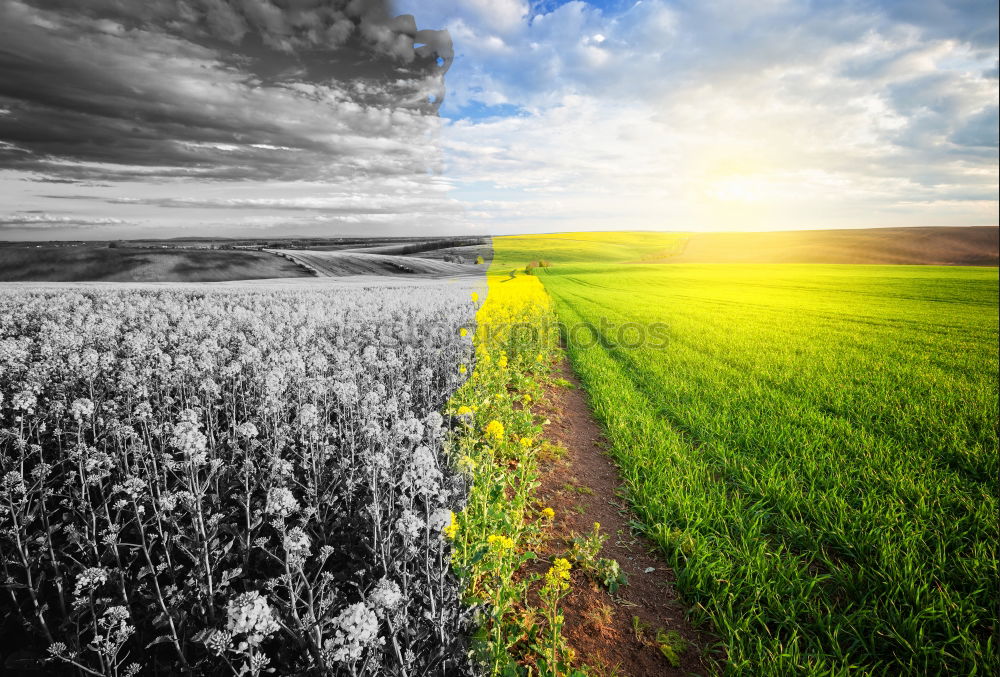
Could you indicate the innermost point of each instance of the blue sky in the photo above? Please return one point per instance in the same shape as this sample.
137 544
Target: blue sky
651 114
720 115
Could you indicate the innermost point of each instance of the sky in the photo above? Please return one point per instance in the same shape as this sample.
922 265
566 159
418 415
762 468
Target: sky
264 118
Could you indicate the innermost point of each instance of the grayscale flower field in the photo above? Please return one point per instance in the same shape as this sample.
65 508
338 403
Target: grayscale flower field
220 481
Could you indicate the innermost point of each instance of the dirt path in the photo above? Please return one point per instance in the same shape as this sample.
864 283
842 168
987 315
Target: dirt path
583 488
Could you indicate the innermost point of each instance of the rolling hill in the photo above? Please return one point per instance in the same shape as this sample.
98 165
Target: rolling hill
958 246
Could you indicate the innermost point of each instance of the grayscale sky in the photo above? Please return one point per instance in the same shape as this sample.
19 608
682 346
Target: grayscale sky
340 117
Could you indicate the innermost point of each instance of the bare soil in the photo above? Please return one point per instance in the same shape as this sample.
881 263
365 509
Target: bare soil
583 488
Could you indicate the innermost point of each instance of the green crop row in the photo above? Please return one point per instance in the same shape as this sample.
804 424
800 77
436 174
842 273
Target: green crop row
814 448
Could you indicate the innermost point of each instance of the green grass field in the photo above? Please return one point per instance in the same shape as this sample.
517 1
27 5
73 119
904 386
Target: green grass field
814 447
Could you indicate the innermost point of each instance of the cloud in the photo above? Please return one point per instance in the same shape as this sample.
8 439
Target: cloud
215 90
163 99
717 114
43 221
356 203
688 114
979 131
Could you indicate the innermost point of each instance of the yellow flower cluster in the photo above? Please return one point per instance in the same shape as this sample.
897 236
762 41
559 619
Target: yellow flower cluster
492 393
500 542
557 577
494 429
451 529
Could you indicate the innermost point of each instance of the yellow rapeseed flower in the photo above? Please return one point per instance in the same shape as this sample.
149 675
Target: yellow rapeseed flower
557 577
463 410
462 369
463 332
494 429
475 296
452 528
525 441
548 513
500 542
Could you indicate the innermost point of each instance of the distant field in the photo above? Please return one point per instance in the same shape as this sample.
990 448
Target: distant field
467 253
173 262
101 263
921 246
814 447
434 247
973 246
343 263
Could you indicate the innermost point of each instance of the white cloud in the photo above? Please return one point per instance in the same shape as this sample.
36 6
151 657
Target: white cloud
697 115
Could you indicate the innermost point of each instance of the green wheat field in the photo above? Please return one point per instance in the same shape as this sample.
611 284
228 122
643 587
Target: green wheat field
814 447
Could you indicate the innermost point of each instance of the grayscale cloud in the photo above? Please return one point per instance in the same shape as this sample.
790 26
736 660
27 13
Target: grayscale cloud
210 92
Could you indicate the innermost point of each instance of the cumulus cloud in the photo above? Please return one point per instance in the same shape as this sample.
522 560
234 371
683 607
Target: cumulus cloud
720 114
218 92
213 89
682 114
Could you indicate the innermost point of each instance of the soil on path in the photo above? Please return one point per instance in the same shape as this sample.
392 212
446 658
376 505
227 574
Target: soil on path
583 487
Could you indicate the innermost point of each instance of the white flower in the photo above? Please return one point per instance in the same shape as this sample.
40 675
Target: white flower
422 473
281 502
24 401
357 629
434 421
386 597
297 542
81 408
13 482
251 615
133 486
188 439
168 501
115 618
440 518
308 416
89 579
247 430
219 642
409 525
